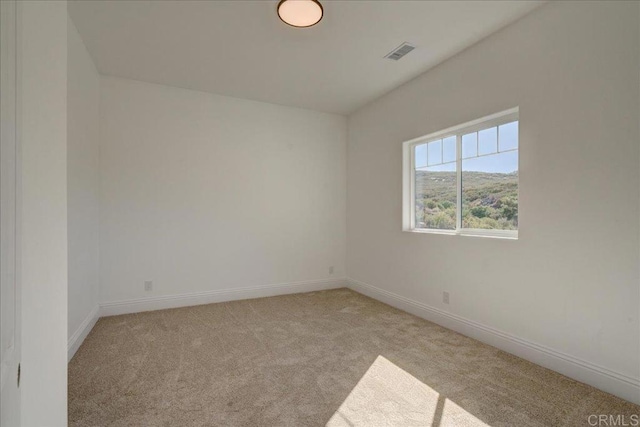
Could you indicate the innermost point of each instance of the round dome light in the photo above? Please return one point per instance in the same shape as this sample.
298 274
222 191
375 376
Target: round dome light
300 13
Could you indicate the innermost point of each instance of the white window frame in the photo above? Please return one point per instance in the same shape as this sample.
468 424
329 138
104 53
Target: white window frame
408 174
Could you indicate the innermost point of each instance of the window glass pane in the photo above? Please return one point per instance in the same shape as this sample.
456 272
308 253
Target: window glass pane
449 149
435 192
487 141
421 155
490 192
508 136
435 152
470 145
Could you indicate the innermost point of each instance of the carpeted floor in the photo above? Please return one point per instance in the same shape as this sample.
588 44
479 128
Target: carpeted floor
332 358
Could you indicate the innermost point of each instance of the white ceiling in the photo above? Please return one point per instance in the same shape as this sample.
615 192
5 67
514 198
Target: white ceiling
241 48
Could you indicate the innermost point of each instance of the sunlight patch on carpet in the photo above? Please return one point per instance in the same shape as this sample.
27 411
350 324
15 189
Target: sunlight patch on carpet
389 396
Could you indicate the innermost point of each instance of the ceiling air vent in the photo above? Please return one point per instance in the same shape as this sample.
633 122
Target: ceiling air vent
400 51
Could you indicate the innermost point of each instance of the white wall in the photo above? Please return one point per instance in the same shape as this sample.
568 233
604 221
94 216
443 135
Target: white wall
83 182
201 192
44 213
571 281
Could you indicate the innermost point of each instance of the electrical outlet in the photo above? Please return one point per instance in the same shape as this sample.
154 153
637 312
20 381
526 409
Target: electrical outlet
445 297
148 285
331 270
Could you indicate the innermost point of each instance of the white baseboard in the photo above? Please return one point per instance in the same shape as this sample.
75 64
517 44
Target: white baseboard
602 378
81 333
208 297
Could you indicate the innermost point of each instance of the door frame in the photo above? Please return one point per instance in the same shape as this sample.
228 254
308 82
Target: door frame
10 394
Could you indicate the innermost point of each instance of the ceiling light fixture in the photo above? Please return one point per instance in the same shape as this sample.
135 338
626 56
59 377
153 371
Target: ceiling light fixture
300 13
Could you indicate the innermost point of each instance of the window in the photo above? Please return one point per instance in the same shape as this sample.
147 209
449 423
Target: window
464 180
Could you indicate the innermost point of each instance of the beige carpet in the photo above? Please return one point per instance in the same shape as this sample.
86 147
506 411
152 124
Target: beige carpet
332 358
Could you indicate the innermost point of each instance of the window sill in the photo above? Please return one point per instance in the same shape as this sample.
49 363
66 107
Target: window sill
491 234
